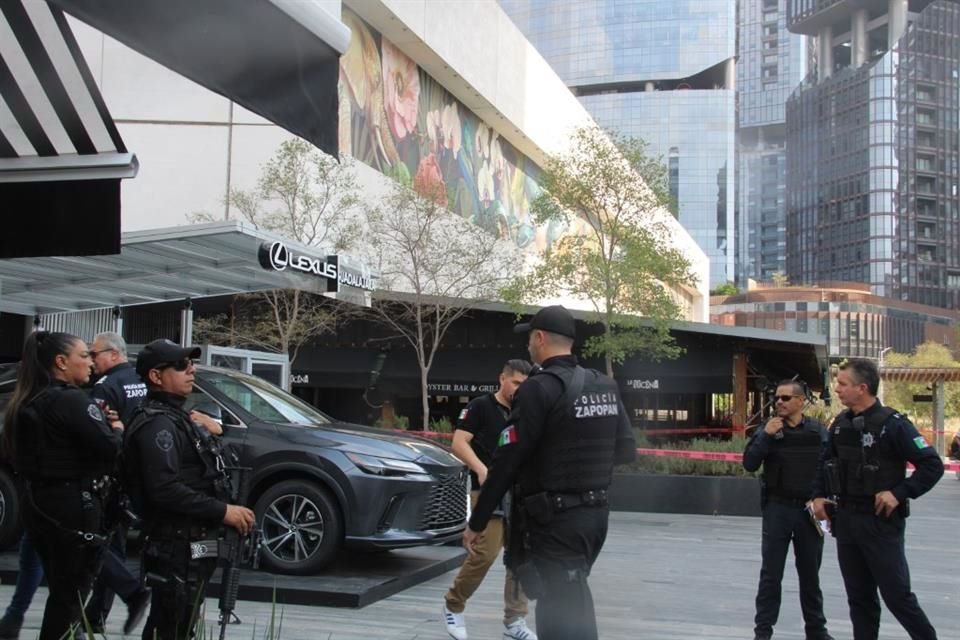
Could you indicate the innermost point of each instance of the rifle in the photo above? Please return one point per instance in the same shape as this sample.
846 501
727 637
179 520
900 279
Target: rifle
236 551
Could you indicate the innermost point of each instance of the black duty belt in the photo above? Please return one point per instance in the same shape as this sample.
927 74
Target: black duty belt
182 531
564 501
789 502
857 505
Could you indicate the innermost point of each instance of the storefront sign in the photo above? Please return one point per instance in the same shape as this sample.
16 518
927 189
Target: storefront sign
643 385
440 388
299 378
277 256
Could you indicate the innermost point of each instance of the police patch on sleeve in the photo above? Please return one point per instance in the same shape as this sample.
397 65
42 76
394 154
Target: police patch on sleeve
920 442
94 412
164 440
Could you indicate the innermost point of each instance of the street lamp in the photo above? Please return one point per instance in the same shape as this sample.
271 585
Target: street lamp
880 371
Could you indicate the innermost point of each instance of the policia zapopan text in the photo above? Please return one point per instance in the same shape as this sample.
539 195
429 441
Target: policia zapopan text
76 460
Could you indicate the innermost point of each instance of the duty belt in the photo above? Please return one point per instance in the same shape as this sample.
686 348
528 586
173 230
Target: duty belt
790 502
181 531
856 505
564 501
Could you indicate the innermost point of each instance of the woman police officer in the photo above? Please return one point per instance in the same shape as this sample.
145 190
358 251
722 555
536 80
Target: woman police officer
64 449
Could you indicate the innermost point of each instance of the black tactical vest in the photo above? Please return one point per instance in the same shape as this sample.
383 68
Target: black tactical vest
790 467
41 457
207 447
867 465
576 452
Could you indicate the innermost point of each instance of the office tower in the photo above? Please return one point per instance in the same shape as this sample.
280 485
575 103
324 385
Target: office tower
872 149
662 71
771 62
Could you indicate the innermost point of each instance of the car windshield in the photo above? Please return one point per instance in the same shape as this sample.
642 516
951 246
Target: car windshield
263 400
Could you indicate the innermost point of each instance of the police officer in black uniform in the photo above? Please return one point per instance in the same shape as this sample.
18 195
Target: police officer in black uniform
176 480
119 389
864 480
64 449
789 447
566 430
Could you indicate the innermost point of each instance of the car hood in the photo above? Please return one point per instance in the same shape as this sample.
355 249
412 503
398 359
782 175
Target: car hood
371 441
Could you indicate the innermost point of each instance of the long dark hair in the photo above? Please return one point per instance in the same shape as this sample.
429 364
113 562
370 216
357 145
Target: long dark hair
36 365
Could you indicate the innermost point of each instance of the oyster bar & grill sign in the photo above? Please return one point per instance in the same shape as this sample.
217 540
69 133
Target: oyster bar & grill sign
276 256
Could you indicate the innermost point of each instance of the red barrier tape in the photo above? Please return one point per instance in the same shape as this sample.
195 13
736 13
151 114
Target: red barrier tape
689 431
720 456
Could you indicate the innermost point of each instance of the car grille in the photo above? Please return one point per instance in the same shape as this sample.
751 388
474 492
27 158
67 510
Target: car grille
447 503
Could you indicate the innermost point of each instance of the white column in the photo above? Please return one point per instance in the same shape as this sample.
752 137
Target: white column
896 21
186 323
858 44
825 59
730 81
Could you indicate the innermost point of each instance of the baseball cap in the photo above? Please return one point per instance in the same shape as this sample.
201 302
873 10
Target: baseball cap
555 319
160 352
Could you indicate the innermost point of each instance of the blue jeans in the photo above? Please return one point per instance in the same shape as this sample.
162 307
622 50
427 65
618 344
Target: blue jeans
28 579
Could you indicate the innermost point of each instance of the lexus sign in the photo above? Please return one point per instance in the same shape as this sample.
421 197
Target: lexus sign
276 256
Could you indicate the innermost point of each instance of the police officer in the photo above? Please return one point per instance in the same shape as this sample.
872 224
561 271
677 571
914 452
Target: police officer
175 479
474 442
789 447
119 389
865 470
64 449
566 430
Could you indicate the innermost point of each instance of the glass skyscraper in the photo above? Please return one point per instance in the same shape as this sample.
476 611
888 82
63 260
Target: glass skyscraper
872 139
771 63
662 71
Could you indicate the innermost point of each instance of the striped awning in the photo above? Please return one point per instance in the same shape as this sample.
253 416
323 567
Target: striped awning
61 156
919 374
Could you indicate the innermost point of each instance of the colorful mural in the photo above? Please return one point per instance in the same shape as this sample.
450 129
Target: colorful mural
397 119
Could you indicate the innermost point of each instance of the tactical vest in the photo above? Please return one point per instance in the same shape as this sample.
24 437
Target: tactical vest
865 467
790 468
577 448
207 447
40 457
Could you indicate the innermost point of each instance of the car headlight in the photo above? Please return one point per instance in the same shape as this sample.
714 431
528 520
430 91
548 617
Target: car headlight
384 466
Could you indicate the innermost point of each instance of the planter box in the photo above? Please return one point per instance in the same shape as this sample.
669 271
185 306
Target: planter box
709 495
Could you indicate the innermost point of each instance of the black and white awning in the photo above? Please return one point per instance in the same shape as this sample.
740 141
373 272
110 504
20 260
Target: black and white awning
61 156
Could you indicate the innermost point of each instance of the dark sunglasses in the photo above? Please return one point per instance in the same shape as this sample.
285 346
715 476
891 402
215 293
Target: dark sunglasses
786 398
94 354
179 365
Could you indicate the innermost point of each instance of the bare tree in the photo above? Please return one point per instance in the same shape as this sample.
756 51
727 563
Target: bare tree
306 197
435 265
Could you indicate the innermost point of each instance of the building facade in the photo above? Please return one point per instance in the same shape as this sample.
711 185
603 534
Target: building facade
771 62
662 72
855 323
872 140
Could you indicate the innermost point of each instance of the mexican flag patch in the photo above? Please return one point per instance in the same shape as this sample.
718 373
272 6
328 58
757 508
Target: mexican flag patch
507 436
920 442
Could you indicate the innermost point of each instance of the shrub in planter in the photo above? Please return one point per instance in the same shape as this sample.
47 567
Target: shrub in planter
686 466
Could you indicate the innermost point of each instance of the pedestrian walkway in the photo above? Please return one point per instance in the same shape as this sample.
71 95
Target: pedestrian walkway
660 577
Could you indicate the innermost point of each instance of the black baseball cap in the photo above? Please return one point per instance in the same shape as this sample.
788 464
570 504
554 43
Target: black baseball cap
555 319
160 352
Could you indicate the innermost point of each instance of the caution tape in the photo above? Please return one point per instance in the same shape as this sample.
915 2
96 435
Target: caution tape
691 431
716 456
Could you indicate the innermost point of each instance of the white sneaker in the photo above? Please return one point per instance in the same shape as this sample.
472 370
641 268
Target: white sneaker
518 630
456 627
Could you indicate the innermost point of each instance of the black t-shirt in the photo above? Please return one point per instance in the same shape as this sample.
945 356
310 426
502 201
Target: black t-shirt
485 418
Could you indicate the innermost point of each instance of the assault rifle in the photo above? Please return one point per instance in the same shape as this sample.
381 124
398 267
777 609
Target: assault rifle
236 551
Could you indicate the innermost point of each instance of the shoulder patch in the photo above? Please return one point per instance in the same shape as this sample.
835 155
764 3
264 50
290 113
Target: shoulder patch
507 436
94 412
164 440
464 413
920 442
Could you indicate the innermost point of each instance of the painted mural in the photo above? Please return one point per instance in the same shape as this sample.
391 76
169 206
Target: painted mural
399 120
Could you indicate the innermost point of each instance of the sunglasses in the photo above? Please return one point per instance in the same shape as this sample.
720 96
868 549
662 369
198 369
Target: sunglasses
786 398
94 354
179 365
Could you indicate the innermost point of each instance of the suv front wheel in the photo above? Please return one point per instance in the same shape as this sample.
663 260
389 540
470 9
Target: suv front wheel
302 527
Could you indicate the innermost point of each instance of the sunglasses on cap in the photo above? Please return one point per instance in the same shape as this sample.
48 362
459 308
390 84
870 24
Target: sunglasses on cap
180 365
786 398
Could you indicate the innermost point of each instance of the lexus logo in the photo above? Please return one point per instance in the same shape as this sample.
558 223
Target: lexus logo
274 256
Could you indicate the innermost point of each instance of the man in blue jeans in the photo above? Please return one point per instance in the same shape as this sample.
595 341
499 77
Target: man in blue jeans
28 580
